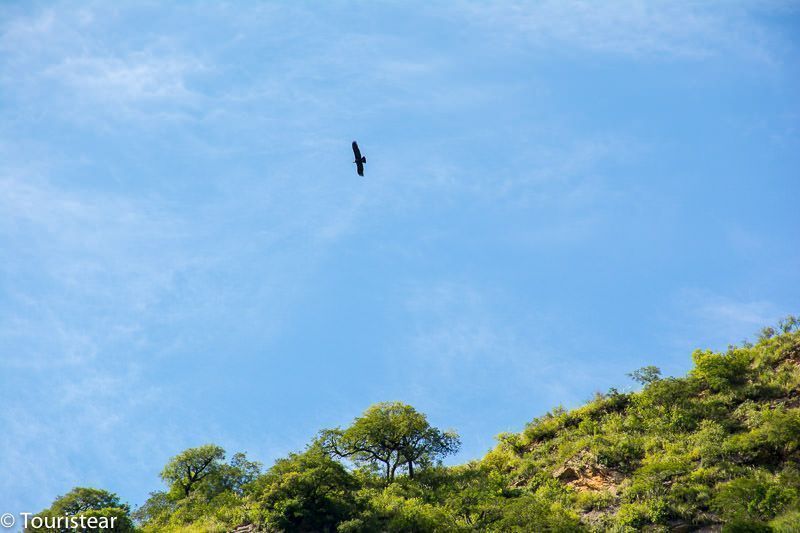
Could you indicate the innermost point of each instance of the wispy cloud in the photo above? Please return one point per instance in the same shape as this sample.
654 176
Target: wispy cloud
632 28
466 338
55 60
454 328
705 319
85 249
139 77
462 334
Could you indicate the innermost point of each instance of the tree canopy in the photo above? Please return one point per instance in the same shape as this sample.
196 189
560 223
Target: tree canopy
389 436
189 468
89 502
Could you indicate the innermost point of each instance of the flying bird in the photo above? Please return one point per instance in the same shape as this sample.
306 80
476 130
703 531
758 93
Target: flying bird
360 160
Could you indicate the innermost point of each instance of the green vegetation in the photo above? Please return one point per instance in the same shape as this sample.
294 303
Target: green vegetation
388 436
718 446
87 502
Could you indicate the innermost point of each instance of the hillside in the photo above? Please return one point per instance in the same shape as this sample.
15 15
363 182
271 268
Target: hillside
717 449
720 445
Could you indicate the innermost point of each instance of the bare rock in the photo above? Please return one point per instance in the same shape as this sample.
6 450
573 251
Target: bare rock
583 472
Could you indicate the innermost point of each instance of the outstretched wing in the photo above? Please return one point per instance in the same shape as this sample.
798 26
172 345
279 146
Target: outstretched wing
359 160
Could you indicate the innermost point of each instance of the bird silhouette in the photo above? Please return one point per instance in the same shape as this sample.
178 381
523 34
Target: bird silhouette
360 160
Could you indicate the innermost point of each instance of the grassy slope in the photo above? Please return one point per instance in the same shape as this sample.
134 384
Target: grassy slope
719 445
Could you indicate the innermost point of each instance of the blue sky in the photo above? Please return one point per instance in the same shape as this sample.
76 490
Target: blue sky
556 193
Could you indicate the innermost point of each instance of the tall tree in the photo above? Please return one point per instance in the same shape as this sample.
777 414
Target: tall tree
189 468
389 436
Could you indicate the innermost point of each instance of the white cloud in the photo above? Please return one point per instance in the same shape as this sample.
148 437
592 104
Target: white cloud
87 251
704 319
461 332
633 28
59 61
454 327
137 77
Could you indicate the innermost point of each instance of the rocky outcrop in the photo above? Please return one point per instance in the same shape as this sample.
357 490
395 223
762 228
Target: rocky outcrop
582 472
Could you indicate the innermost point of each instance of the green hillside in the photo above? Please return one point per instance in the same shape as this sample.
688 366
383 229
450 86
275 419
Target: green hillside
717 449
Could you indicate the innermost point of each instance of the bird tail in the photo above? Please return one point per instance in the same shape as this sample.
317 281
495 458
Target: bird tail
363 159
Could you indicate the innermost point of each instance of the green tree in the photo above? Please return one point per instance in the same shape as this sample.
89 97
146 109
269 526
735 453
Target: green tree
306 491
389 436
201 487
789 324
474 494
187 470
156 510
86 501
81 499
646 375
239 473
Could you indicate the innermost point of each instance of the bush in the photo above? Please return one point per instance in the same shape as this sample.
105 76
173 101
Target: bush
530 513
775 434
756 498
721 371
392 512
633 515
654 478
594 501
619 451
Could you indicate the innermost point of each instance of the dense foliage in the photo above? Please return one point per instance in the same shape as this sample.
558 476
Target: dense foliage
718 446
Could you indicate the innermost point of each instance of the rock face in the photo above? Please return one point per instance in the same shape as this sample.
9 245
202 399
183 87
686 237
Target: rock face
583 472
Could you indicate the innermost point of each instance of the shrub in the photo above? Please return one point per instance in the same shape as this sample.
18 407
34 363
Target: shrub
530 513
758 497
594 501
633 515
720 371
